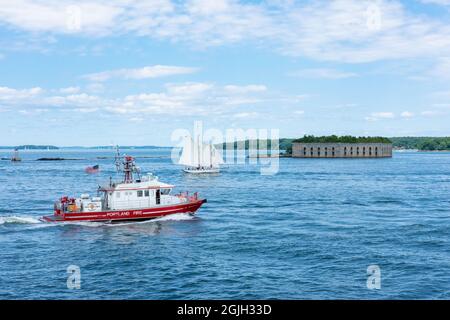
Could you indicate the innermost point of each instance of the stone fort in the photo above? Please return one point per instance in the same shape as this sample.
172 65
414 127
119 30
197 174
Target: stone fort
341 150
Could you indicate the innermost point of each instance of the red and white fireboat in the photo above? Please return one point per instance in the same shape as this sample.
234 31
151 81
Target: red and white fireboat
132 199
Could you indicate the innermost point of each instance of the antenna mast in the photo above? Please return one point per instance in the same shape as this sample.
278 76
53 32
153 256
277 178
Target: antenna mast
117 161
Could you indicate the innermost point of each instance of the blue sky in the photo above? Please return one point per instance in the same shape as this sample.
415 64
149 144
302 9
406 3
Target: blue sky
131 72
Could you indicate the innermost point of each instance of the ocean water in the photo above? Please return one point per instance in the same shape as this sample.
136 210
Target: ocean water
308 232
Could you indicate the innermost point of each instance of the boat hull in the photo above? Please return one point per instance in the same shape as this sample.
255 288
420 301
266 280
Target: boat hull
128 215
201 171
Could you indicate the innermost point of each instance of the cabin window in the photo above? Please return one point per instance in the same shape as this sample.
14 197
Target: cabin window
147 193
117 194
140 193
165 191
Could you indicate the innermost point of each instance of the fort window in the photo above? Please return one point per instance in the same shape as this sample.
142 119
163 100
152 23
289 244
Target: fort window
345 151
318 151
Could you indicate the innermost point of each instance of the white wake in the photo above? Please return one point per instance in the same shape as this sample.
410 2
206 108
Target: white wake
19 219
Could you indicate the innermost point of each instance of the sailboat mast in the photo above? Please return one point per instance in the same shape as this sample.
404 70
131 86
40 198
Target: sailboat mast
198 150
210 153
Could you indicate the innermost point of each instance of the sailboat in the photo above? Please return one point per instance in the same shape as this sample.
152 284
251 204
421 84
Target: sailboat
199 157
16 157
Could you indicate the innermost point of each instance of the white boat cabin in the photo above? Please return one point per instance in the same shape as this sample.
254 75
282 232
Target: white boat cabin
145 193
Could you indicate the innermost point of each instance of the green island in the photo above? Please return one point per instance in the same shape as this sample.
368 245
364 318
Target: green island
342 139
399 143
285 144
31 147
422 143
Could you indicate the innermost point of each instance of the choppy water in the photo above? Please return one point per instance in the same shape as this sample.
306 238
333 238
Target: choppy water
309 232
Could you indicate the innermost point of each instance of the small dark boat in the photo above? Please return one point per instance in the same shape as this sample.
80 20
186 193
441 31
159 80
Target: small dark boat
16 157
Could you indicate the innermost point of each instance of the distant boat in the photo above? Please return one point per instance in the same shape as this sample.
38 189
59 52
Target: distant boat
16 157
93 169
198 157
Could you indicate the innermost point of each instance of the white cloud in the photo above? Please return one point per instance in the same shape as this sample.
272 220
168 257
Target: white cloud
86 110
245 115
95 87
320 73
147 72
375 116
136 119
33 112
439 2
190 88
10 94
299 112
245 89
69 90
430 113
441 68
175 99
407 114
340 30
95 18
383 115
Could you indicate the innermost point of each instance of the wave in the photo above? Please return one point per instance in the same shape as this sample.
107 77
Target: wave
19 219
172 217
175 217
92 224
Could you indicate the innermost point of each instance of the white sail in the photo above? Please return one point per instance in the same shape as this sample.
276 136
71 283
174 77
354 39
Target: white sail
216 156
189 156
206 158
211 157
198 154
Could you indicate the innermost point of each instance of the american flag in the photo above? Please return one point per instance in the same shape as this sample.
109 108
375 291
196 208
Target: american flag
93 169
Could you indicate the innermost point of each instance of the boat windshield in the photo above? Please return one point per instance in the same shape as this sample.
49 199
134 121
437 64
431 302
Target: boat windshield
165 191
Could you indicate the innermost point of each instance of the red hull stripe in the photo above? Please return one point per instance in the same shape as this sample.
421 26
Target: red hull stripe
190 207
